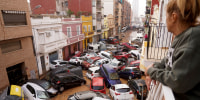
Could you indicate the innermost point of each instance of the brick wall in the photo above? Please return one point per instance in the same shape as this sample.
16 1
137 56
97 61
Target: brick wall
47 6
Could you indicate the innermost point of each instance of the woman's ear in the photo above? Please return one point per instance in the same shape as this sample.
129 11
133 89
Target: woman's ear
174 17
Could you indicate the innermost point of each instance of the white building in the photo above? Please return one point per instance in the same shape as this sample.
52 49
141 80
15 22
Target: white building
48 41
108 7
97 16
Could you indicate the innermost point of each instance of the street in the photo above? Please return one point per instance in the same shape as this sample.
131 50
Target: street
128 35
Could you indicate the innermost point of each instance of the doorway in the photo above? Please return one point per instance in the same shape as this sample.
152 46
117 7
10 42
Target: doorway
17 74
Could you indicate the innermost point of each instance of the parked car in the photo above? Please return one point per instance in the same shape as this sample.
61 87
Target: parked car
121 92
100 62
139 87
128 47
122 56
12 92
107 55
76 60
110 75
89 55
45 85
93 47
90 62
35 92
135 54
98 85
63 81
123 29
130 72
112 40
67 68
93 72
56 63
88 95
77 54
111 47
135 64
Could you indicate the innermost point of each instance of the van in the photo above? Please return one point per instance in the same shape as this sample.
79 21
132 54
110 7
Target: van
93 47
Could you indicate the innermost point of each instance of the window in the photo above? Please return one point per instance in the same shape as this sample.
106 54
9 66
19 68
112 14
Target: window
89 28
10 46
30 88
93 27
69 34
78 30
14 18
66 3
85 28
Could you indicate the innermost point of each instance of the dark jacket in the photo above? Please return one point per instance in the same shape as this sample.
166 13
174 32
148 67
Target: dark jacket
180 70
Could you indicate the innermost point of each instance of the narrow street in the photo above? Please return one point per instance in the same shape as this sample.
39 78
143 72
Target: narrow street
129 34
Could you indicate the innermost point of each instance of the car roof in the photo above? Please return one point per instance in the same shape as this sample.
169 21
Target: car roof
97 81
130 68
109 68
94 68
140 82
37 81
35 86
84 94
119 86
95 58
133 62
61 75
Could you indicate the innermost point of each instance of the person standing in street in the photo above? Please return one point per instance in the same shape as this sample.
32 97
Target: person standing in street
180 69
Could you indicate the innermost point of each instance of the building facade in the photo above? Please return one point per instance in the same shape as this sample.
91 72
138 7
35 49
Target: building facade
72 28
56 7
49 41
80 7
87 30
17 58
111 25
106 28
97 16
126 13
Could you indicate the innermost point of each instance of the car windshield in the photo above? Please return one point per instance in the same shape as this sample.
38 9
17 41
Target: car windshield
136 69
46 85
42 95
134 65
114 64
89 72
113 76
122 90
90 61
97 62
54 63
97 87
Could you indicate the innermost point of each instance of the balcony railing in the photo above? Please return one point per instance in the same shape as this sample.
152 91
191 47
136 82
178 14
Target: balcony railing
159 40
160 92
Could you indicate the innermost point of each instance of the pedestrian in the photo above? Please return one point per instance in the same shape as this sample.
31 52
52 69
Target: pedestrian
180 69
145 37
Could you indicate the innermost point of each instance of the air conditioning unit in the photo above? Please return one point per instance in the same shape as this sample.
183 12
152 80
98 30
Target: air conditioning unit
48 34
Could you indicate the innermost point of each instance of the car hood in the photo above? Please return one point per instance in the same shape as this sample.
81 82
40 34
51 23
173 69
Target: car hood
52 90
113 82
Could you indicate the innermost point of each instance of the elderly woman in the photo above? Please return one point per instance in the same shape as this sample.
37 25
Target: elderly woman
180 70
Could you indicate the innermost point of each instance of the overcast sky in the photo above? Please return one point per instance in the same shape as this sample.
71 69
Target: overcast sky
142 5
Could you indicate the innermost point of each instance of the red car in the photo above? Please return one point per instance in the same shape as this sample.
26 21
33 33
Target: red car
133 64
77 54
89 62
112 40
129 46
98 85
122 55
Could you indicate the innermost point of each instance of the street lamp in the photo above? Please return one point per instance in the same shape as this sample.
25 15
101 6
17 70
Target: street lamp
36 7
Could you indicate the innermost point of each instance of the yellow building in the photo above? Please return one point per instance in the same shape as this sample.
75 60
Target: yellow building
106 28
87 30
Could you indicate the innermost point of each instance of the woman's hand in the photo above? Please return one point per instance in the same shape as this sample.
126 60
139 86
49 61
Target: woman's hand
147 69
148 81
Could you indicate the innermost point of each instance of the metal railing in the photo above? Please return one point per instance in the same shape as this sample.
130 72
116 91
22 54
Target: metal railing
158 42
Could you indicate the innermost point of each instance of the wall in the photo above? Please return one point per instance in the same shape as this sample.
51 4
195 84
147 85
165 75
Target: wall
83 6
47 6
108 7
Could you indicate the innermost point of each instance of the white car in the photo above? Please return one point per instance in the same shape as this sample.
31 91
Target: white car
135 53
115 64
93 72
139 35
111 47
89 55
56 63
100 62
121 92
93 47
34 92
76 60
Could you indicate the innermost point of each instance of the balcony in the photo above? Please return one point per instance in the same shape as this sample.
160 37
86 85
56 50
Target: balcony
75 39
160 92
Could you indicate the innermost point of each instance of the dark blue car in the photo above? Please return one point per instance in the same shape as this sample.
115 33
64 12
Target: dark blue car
130 72
110 75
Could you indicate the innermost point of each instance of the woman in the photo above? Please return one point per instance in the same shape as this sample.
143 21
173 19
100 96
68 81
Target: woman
180 70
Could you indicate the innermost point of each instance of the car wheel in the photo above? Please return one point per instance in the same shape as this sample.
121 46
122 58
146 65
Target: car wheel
61 89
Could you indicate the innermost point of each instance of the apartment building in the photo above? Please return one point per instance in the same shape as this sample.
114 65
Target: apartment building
17 57
54 7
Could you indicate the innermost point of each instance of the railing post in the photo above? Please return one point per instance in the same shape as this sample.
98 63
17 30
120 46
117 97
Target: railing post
148 39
